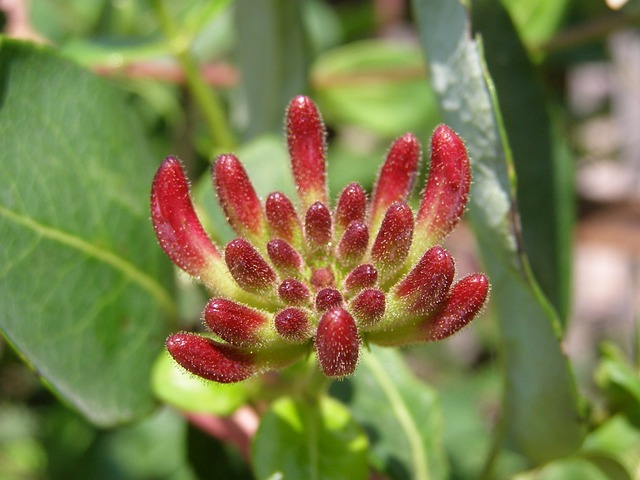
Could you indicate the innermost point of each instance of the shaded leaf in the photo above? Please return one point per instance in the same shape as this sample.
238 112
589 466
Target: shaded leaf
303 439
83 283
541 415
544 182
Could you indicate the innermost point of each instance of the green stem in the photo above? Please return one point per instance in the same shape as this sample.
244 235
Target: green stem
401 412
206 98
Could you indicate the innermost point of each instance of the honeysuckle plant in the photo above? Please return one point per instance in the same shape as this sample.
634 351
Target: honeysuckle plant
315 277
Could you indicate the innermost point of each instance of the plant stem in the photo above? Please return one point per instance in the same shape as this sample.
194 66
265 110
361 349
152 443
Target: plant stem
206 98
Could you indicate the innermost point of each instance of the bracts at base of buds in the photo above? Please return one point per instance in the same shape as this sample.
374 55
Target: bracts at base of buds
301 277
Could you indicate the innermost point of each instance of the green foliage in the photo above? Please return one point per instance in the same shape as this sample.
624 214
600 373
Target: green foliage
87 297
85 301
300 438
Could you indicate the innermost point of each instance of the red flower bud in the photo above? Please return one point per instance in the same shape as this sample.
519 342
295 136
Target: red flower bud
352 206
362 276
396 177
392 244
210 359
447 190
328 298
321 278
178 229
353 244
427 284
294 292
336 343
317 226
235 323
238 198
284 257
465 300
306 141
293 324
368 307
247 267
283 219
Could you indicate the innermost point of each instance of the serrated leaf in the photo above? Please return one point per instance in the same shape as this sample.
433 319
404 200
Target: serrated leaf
184 391
540 413
83 284
401 416
376 84
313 440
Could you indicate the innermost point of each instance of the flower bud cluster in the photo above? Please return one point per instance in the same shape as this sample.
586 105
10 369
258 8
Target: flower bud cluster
306 276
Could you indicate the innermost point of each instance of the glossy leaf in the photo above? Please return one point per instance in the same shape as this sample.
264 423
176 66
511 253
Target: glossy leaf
400 414
83 282
299 439
540 413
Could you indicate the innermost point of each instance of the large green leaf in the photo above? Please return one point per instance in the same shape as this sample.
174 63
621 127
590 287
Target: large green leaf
401 416
300 438
540 412
544 182
82 281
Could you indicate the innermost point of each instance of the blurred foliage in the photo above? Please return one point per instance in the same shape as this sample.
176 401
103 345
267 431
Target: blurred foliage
365 65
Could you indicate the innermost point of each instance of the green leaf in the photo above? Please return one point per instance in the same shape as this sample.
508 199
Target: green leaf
536 21
378 85
273 58
619 381
540 415
401 416
300 438
184 391
83 283
544 184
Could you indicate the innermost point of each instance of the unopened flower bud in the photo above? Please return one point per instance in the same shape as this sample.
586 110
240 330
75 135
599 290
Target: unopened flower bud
337 343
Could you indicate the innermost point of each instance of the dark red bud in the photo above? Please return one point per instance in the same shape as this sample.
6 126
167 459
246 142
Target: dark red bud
362 276
294 292
369 306
428 282
237 196
235 323
465 300
306 142
317 225
392 244
354 243
284 257
397 175
247 267
282 217
352 205
177 227
210 359
328 298
447 189
321 278
292 324
337 343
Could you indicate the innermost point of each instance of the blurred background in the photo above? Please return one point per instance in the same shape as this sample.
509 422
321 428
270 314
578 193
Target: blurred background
361 62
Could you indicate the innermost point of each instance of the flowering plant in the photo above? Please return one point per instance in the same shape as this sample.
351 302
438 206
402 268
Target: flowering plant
366 272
